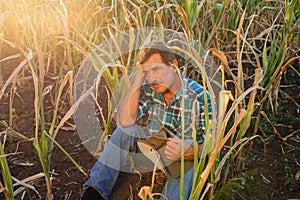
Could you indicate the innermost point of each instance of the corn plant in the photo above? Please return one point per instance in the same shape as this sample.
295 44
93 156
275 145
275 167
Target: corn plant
189 10
209 173
276 56
8 183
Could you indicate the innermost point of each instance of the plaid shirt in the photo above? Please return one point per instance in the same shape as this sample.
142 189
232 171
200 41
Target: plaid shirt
169 116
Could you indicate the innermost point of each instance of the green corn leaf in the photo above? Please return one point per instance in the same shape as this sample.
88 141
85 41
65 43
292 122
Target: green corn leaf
67 154
9 190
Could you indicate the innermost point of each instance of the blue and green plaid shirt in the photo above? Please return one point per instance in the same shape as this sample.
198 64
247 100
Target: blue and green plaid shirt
169 116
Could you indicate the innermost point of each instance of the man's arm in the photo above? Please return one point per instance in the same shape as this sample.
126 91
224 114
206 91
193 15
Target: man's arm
128 107
173 150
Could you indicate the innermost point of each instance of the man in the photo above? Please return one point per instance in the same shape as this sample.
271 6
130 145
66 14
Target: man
159 92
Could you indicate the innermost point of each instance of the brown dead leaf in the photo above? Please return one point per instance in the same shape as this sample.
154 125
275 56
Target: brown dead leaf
182 13
143 194
297 176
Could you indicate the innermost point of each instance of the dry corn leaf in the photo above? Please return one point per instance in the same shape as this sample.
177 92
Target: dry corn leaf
223 58
9 154
276 132
26 185
220 55
15 73
224 97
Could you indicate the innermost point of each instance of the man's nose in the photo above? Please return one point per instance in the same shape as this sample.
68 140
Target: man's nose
151 77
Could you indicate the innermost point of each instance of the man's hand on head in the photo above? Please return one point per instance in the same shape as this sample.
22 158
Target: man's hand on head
140 71
128 107
139 67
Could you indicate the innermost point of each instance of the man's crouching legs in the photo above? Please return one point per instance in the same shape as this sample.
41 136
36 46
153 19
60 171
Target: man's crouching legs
104 173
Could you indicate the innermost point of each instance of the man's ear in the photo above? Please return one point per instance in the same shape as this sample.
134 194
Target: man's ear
174 64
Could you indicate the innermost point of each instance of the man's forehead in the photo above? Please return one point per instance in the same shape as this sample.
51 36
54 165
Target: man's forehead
153 64
150 66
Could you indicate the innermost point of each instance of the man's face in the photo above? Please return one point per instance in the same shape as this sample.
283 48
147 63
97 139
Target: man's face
160 76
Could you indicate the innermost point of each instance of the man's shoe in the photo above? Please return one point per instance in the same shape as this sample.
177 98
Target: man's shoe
91 194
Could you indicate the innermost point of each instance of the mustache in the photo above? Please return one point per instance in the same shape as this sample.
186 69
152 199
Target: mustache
155 83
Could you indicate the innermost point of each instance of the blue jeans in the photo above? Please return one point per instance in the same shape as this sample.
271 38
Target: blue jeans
105 172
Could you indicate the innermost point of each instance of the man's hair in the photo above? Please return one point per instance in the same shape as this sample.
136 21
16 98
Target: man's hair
159 47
